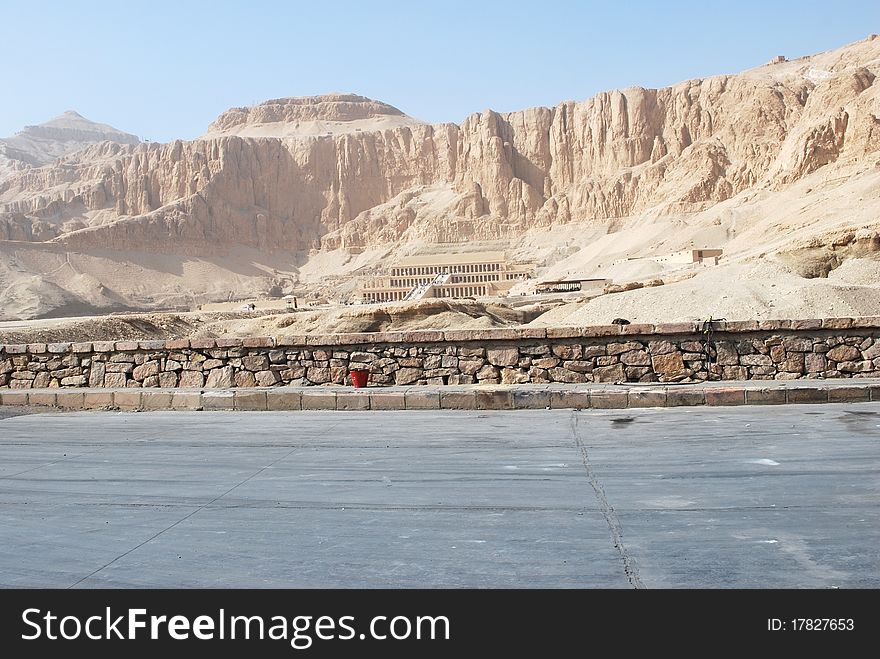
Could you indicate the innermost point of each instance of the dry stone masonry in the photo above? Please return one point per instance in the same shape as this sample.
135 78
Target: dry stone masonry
747 350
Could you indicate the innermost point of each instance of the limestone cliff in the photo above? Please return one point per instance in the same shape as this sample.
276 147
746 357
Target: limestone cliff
343 170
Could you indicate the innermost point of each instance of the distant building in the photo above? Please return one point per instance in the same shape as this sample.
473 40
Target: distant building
705 256
570 285
445 276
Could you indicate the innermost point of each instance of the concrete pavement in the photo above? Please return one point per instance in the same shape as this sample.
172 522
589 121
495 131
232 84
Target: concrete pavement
686 497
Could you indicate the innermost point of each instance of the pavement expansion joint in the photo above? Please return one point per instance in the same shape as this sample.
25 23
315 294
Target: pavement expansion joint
630 567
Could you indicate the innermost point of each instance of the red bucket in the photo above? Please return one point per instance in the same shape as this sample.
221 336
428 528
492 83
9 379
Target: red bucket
359 377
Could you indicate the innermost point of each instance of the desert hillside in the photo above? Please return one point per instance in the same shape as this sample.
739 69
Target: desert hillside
778 165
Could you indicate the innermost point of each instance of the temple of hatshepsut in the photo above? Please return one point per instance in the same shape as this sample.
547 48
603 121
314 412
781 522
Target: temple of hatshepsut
446 276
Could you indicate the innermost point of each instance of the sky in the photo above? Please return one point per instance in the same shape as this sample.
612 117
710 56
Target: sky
164 70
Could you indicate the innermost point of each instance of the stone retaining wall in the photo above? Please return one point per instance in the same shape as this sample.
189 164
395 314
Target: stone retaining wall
752 350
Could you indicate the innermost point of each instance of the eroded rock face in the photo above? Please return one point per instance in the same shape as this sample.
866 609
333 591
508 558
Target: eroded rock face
346 171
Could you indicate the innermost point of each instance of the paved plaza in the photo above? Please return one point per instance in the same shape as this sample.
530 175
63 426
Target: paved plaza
755 497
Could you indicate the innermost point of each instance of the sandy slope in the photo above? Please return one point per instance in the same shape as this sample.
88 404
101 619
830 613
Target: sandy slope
759 289
425 314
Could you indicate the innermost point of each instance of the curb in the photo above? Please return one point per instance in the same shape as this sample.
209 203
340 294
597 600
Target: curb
513 397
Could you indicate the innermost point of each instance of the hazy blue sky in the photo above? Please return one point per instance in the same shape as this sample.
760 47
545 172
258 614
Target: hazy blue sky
165 70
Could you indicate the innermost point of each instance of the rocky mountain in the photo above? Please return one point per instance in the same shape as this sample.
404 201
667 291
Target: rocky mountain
39 145
307 176
311 115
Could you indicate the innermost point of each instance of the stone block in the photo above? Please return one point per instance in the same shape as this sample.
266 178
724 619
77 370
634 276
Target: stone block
797 344
571 351
96 374
494 399
661 347
353 400
807 395
530 399
646 398
777 354
145 370
41 398
58 348
36 348
424 336
186 400
13 398
637 329
773 325
177 344
837 323
151 345
405 376
620 348
291 340
530 332
726 396
267 378
114 380
257 362
250 400
503 356
765 396
742 326
848 394
866 321
609 400
570 399
259 342
167 380
319 400
563 332
191 380
98 400
806 324
844 353
220 378
156 400
422 400
755 360
282 399
734 373
513 376
637 358
244 379
677 328
218 400
613 373
560 374
681 396
599 330
70 400
387 400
